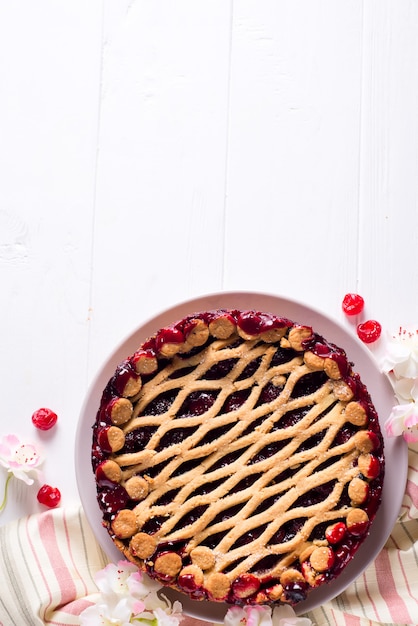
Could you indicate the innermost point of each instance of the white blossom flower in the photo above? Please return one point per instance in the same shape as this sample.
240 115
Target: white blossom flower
286 616
401 366
107 614
127 596
403 420
406 390
401 357
169 616
20 459
124 579
264 616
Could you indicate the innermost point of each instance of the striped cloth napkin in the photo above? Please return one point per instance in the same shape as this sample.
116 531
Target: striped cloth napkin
49 560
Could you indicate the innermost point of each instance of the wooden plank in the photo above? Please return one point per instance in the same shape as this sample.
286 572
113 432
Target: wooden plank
161 178
388 232
49 81
293 150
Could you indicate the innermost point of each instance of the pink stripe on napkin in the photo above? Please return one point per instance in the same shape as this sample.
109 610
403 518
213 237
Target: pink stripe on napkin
388 590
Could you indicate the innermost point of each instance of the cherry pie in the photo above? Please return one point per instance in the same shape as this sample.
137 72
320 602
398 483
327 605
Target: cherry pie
238 458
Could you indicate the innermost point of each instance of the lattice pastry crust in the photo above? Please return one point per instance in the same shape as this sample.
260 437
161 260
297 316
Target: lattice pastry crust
238 458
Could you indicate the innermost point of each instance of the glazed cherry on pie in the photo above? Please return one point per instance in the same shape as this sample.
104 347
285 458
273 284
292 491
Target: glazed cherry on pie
238 458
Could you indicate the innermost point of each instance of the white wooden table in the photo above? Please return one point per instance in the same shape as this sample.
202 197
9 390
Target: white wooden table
152 152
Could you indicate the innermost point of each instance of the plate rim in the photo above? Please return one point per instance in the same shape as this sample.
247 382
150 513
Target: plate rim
396 447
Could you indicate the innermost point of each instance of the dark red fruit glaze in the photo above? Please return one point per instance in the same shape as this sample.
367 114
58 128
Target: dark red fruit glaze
256 323
102 439
373 470
44 419
168 335
244 586
352 304
296 592
112 497
49 496
122 375
369 331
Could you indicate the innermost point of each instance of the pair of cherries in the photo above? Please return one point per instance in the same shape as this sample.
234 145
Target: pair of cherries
45 419
369 331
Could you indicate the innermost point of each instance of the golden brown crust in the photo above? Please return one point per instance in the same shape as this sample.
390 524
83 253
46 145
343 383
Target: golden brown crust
125 524
321 558
218 586
358 491
194 572
313 361
142 545
356 517
222 327
112 471
298 335
332 369
168 564
203 557
116 438
137 487
356 414
121 411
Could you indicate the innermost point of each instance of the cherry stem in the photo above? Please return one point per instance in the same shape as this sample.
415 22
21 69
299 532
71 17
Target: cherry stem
6 486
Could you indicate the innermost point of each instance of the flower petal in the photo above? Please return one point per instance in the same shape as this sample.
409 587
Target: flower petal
394 425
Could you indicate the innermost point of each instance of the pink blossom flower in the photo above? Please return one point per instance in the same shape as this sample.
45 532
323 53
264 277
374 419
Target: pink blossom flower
401 357
403 420
20 459
127 596
264 616
107 614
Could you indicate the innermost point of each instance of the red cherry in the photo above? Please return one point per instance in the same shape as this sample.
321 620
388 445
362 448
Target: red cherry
44 419
49 496
336 532
353 304
369 331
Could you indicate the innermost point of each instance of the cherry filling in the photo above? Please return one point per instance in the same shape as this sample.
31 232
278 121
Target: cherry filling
185 467
174 436
111 499
97 456
316 495
197 403
161 404
309 384
227 513
312 442
190 517
123 374
137 439
288 531
249 536
344 434
219 370
269 450
296 592
291 418
250 369
187 583
154 524
235 400
245 585
207 488
228 459
215 434
269 393
283 355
